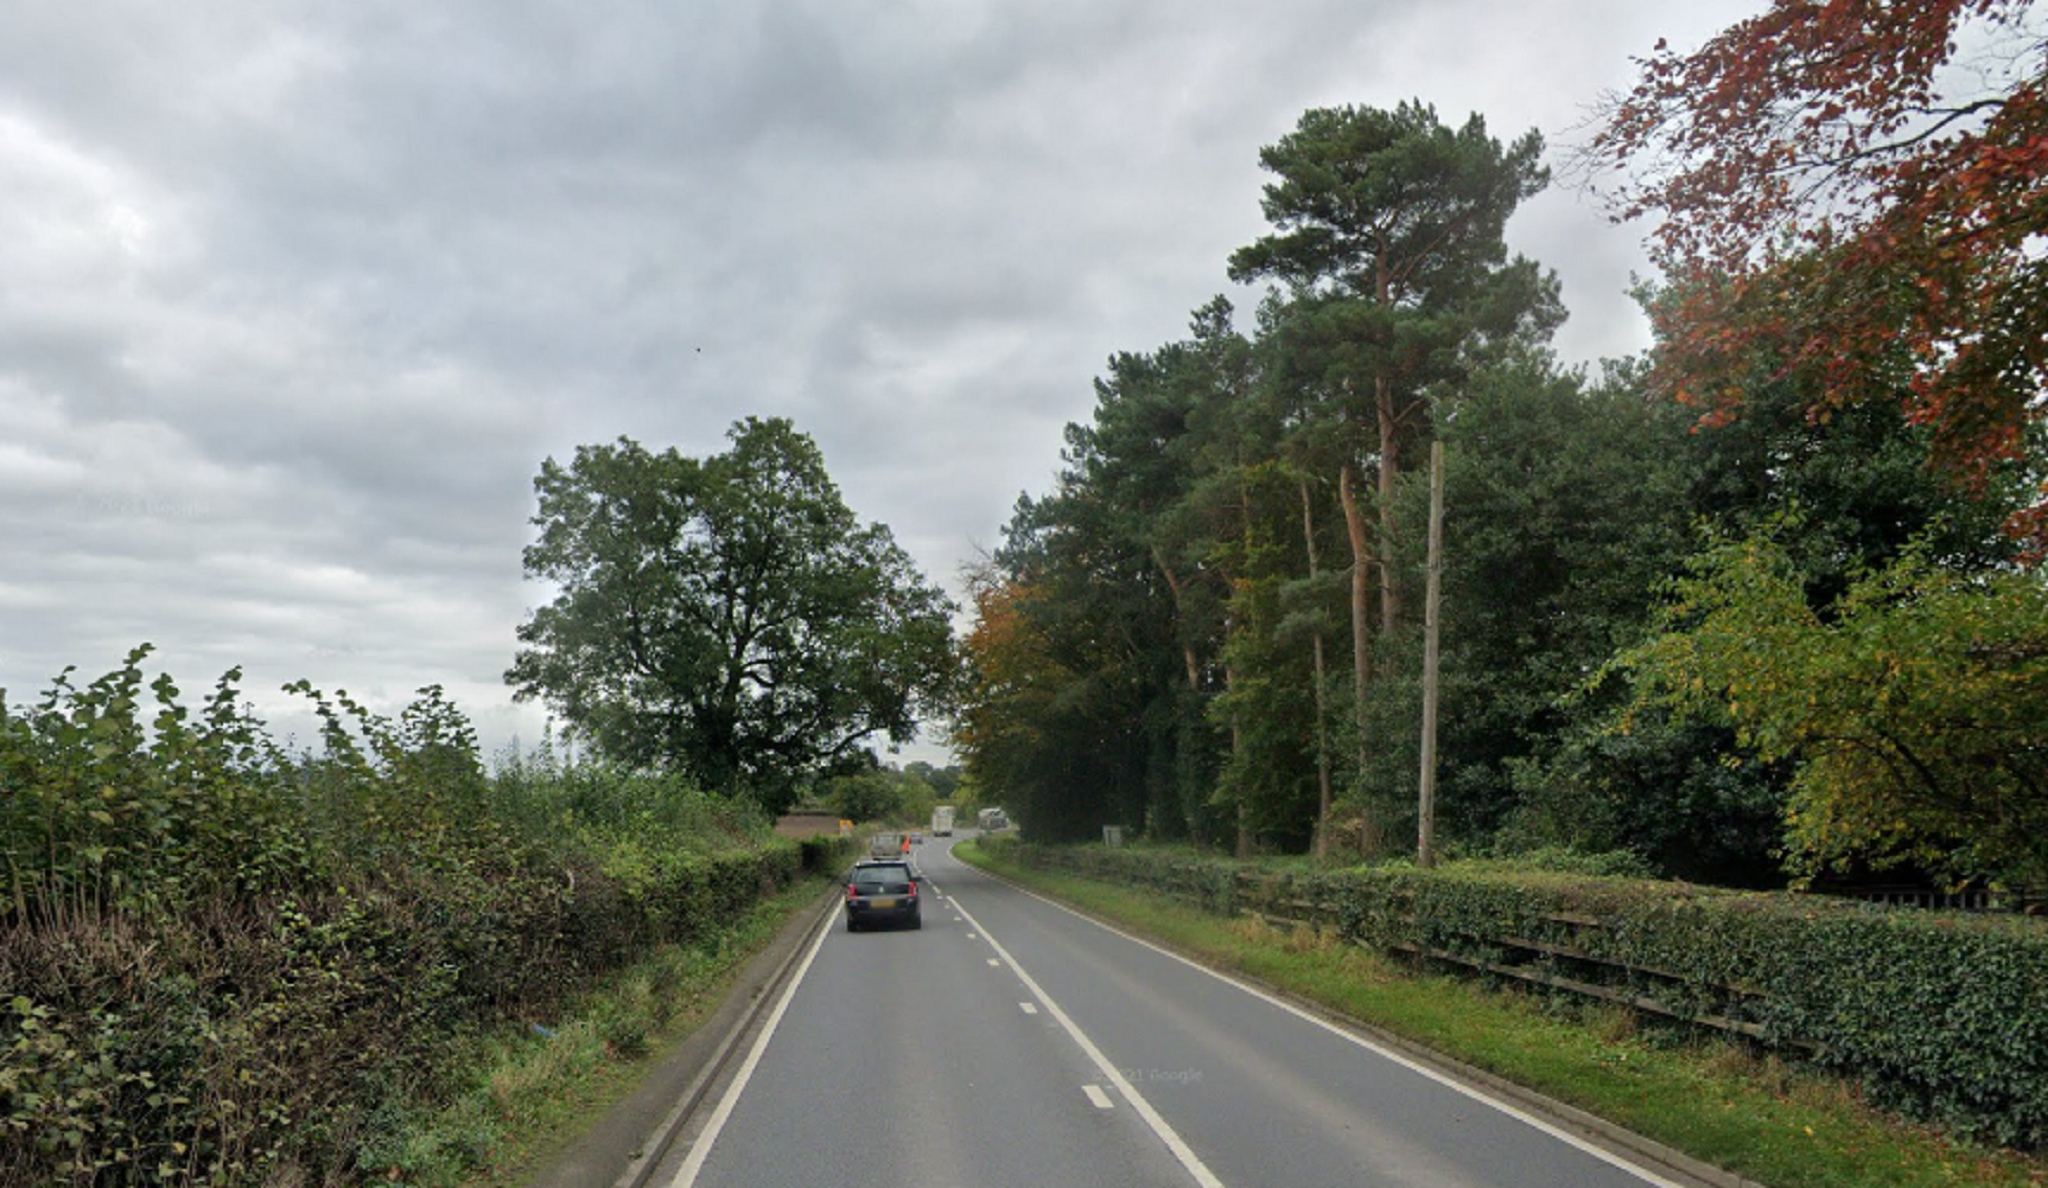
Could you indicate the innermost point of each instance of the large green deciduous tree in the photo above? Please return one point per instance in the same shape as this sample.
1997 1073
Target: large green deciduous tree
1569 507
728 617
1915 705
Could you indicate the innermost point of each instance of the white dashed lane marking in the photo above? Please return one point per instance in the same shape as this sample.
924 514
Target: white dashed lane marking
1186 1156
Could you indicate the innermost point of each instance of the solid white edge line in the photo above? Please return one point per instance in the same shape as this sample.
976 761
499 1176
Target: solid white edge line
1472 1091
700 1148
1096 1095
1166 1133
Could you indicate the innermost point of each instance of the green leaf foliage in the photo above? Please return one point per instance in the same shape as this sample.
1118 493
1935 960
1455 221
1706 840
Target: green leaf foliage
1394 205
868 796
727 617
223 964
1914 707
122 796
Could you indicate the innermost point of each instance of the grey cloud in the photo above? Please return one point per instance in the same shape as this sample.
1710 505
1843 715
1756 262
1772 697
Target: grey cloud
294 298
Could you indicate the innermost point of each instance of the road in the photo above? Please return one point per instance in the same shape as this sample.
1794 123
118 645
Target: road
1011 1042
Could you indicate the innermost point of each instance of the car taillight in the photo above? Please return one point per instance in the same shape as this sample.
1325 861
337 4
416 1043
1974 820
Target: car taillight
913 888
849 890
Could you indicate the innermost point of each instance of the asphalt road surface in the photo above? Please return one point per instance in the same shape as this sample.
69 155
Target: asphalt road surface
1011 1042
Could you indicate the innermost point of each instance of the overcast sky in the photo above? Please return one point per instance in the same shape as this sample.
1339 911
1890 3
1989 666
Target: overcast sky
295 297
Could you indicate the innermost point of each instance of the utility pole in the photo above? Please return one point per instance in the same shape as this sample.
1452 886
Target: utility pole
1425 829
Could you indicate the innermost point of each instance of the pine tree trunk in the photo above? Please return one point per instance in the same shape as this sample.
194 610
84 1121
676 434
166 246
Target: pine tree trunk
1361 594
1390 473
1308 537
1187 650
1244 511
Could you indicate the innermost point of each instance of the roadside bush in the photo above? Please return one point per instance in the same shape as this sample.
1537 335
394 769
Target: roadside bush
826 855
109 802
221 964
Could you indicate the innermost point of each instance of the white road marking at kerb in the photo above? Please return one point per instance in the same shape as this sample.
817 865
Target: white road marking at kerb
1520 1115
1096 1095
1174 1143
701 1148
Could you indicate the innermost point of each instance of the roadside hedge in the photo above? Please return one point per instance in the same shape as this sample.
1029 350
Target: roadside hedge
257 1042
224 965
1942 1016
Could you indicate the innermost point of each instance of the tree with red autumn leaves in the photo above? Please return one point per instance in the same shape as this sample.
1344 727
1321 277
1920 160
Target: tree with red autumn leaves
1855 193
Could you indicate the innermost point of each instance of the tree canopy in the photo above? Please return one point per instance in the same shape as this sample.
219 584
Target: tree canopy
1390 238
1916 703
727 616
1152 642
1855 193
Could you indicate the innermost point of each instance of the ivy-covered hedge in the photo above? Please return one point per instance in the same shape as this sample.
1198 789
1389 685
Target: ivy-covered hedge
251 1042
1942 1016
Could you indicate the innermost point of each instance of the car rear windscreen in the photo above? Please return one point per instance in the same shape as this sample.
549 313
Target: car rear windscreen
887 880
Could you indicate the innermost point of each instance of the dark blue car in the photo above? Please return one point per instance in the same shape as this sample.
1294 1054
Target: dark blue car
882 891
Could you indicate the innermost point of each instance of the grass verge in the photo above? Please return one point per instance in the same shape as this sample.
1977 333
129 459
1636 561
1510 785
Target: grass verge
534 1088
1720 1103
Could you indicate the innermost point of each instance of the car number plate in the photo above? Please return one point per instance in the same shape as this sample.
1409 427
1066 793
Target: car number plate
881 903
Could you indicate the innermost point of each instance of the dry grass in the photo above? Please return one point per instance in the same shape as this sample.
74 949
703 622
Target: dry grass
1293 938
1613 1024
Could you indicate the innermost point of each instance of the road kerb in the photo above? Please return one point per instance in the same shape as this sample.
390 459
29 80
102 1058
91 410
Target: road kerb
641 1169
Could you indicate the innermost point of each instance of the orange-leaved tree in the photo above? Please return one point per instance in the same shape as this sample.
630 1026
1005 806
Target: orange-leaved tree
1855 192
1013 680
